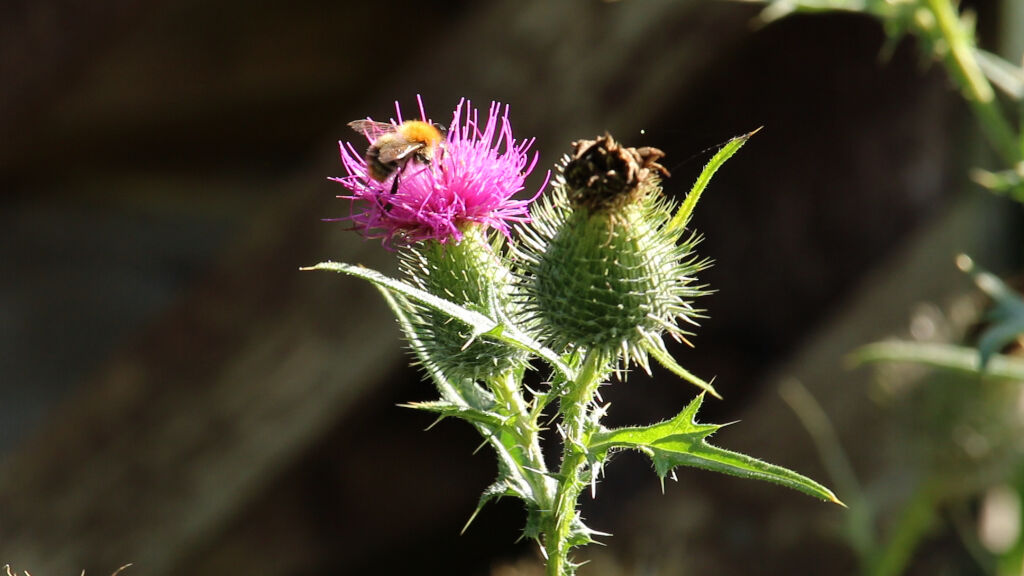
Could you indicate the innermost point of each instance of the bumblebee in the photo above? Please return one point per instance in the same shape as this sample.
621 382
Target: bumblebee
393 146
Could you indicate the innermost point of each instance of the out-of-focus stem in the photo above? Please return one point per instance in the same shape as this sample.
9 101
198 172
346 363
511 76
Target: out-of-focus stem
964 69
915 520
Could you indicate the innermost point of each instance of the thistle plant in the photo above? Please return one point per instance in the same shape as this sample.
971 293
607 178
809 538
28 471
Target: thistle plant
581 283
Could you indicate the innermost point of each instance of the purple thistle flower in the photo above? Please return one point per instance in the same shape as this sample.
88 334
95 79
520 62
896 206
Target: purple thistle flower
471 180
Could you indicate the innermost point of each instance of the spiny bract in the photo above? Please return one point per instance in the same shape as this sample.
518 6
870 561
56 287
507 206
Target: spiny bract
609 276
471 274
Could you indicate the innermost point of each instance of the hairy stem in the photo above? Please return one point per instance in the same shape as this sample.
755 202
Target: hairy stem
527 437
577 428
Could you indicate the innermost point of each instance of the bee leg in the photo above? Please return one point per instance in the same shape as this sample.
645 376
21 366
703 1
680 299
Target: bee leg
386 200
398 176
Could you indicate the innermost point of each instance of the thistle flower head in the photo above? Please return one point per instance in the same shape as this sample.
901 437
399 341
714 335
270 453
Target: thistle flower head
602 270
470 179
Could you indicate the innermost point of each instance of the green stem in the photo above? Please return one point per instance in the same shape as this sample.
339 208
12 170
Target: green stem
577 428
961 64
916 519
527 436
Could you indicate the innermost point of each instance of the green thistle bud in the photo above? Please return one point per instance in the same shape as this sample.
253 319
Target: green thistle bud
602 271
470 273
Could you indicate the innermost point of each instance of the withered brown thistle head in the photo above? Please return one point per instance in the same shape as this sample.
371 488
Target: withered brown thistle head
604 175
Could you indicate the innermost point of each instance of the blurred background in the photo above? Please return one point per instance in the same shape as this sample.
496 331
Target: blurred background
176 394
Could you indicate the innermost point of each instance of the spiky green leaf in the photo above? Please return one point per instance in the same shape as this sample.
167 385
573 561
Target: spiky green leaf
659 353
685 211
447 409
511 480
480 324
496 491
512 468
682 441
448 390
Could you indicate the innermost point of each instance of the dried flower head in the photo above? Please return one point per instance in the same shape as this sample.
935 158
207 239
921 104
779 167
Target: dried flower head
602 174
469 180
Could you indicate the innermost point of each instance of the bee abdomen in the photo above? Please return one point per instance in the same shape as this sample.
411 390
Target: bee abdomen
377 170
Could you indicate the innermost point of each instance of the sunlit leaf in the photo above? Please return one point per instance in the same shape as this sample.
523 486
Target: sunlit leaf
660 354
685 211
682 441
512 469
480 324
444 409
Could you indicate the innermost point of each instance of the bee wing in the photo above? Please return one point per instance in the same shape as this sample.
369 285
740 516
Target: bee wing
399 151
371 129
